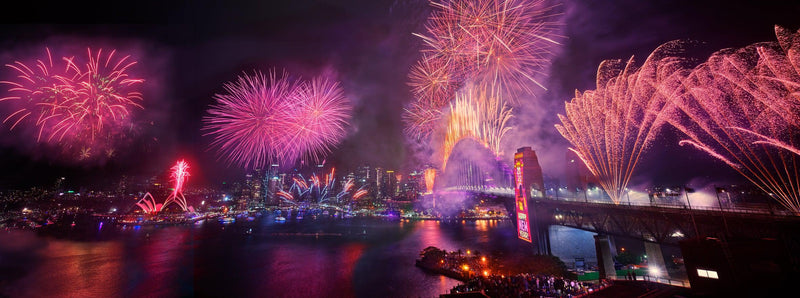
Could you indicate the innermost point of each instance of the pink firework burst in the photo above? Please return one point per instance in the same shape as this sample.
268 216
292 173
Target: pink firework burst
264 119
503 43
316 119
421 119
104 94
37 93
432 82
80 106
248 121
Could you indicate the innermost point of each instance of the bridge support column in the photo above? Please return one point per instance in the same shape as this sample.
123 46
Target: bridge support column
655 259
605 260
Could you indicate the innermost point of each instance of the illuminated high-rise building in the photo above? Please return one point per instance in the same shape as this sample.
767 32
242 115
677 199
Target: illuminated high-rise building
379 183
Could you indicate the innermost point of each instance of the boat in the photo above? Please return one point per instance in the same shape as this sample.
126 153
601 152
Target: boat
280 219
227 219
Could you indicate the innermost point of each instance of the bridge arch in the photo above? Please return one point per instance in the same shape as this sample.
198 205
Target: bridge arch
471 164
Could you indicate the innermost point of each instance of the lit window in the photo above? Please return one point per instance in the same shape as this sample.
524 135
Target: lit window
707 273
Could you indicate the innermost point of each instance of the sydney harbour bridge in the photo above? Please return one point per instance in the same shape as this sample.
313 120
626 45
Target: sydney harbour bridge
738 243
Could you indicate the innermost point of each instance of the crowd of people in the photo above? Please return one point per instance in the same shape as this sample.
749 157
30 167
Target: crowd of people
528 285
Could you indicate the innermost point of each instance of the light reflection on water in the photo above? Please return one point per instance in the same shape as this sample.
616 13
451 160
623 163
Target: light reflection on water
352 258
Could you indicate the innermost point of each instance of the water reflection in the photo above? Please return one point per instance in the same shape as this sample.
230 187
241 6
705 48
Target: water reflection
357 258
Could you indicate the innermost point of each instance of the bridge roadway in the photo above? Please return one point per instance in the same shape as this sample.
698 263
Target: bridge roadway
744 248
663 224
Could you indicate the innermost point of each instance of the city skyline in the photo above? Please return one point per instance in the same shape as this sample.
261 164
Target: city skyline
186 54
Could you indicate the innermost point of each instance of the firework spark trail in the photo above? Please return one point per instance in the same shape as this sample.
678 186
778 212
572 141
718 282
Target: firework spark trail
179 174
421 120
611 126
430 179
80 105
104 95
319 191
502 43
476 114
39 87
742 106
432 82
316 119
501 46
268 119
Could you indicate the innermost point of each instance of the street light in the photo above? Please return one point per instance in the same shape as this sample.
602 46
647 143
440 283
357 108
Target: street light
628 193
687 190
717 190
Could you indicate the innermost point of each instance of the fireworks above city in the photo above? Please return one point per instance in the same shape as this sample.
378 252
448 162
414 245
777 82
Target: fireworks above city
298 148
396 84
82 106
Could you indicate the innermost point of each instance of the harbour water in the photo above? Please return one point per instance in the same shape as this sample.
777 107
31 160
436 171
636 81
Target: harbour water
256 257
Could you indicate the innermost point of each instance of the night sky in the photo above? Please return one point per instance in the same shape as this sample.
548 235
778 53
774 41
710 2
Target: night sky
187 50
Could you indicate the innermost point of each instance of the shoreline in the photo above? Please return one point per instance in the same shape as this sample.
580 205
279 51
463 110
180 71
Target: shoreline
441 271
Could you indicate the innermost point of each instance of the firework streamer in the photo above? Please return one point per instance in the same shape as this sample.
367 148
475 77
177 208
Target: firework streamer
741 107
476 114
320 191
611 126
179 175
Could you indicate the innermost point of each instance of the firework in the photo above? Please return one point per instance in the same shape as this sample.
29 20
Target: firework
430 178
500 47
39 90
421 120
320 191
82 104
503 43
432 83
611 126
316 119
249 119
179 173
265 119
741 107
478 115
103 96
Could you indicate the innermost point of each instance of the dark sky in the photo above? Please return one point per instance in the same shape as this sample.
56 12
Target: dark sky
189 49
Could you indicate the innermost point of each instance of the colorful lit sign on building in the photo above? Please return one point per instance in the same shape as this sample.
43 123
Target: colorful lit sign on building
520 194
